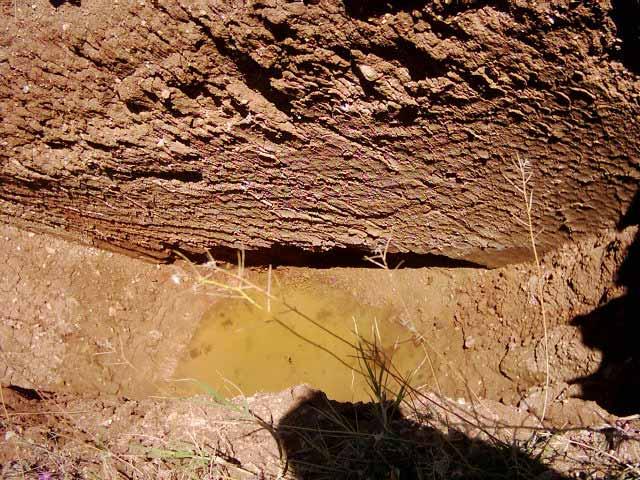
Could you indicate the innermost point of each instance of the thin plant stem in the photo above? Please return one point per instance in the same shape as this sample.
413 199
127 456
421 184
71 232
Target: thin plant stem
522 166
4 406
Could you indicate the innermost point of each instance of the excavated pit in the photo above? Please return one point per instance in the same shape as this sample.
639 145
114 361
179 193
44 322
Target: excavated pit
97 345
80 320
312 135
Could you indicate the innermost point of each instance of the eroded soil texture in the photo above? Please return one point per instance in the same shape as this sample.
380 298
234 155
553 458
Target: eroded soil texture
288 127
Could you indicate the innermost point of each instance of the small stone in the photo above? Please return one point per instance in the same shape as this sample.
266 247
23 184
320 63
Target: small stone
161 142
483 154
107 422
469 342
25 89
368 72
303 392
155 335
165 94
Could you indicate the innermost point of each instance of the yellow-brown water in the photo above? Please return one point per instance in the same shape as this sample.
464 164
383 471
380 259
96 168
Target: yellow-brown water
241 348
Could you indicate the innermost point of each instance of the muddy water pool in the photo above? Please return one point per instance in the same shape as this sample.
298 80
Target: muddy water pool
304 336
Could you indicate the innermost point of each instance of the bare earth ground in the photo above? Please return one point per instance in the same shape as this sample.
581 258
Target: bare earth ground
97 333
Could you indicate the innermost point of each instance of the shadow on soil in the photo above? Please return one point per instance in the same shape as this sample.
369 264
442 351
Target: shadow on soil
614 329
280 255
374 8
57 3
626 15
326 439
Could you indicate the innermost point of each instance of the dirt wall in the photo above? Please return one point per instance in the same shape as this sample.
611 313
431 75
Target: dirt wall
317 125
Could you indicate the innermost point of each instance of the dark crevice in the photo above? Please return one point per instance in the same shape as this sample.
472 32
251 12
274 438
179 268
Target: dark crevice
342 51
194 90
78 51
281 255
405 115
445 30
276 136
123 142
238 106
280 31
419 63
59 144
626 15
58 3
484 89
365 9
186 176
100 146
136 107
173 111
366 85
27 393
256 77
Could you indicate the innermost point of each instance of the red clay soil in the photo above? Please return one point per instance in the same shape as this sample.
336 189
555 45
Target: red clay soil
285 127
315 132
81 320
88 339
